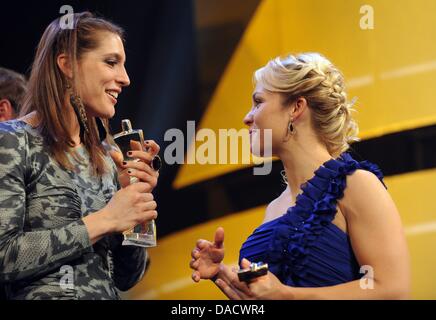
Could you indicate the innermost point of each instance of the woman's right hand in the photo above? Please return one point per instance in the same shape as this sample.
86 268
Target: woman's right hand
129 207
207 257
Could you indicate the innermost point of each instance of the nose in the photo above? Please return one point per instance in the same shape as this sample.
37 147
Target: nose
248 119
123 78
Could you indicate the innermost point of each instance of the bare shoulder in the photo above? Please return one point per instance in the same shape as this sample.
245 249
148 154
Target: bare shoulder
364 192
362 179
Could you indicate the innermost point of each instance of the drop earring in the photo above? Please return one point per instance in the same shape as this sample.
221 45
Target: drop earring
79 109
291 129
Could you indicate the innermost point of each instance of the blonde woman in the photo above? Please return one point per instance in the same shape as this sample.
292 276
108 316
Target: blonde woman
335 222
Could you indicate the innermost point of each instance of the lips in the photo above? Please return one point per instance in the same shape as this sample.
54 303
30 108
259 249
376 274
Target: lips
113 95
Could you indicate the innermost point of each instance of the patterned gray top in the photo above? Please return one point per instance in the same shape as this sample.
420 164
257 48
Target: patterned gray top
45 250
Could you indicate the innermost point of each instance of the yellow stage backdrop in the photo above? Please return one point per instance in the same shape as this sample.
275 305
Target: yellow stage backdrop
390 68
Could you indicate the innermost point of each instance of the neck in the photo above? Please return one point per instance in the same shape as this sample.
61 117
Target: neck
300 160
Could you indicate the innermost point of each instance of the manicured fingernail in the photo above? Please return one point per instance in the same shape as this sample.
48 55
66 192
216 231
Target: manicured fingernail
124 163
129 171
129 153
146 142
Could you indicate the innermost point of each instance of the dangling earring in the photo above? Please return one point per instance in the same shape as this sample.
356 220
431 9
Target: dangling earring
291 129
79 109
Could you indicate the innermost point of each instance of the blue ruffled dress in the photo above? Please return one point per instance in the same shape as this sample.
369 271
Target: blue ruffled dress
303 248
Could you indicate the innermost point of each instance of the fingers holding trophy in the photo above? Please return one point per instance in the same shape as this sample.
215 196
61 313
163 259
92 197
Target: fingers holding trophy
143 235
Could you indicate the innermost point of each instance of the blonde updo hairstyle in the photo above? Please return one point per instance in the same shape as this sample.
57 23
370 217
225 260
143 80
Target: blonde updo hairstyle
312 76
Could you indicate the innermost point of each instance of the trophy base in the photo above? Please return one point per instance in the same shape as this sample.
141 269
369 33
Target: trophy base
139 240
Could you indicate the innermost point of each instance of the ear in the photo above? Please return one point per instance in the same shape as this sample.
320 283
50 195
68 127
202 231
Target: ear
299 106
6 110
64 63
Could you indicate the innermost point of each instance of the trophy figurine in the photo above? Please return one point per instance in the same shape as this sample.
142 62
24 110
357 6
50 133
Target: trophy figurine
143 235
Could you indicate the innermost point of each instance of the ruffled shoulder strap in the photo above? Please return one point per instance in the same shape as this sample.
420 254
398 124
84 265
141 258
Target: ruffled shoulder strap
314 209
322 191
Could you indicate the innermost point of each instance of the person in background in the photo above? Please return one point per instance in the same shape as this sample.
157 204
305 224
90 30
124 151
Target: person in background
12 90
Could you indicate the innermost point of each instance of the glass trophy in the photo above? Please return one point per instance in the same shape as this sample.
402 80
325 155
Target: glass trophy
143 235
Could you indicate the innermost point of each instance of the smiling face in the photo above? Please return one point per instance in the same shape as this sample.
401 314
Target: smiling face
102 75
267 112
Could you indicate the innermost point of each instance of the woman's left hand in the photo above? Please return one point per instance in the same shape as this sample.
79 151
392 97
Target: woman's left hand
141 169
266 287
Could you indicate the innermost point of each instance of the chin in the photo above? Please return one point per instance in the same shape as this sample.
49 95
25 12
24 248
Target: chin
106 114
110 115
105 111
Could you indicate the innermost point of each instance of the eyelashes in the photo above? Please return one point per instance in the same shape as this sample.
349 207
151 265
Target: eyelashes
112 63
